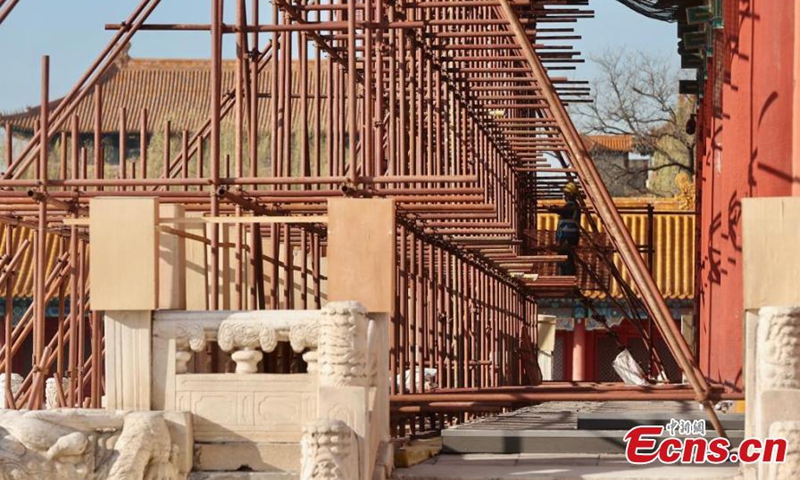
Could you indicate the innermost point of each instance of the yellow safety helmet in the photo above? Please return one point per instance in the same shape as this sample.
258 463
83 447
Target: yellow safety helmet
570 188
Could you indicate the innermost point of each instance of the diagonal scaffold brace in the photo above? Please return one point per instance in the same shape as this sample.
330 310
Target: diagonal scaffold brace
612 220
5 8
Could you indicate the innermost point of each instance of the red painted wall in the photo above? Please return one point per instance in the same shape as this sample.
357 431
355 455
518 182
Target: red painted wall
744 150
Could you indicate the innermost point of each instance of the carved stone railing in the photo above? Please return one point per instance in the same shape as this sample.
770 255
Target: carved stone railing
339 408
245 405
247 334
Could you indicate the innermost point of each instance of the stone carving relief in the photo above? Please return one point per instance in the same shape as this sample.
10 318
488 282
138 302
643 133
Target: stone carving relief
303 336
189 339
343 345
191 336
16 383
790 468
248 336
51 392
329 451
74 444
778 330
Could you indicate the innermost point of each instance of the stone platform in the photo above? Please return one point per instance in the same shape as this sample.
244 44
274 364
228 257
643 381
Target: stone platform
572 427
556 467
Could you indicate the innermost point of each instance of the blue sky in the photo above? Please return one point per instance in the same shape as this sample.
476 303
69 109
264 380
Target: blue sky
72 33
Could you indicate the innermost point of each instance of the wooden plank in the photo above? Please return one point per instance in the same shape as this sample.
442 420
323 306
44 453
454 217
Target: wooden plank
84 222
124 253
771 252
361 252
264 219
78 222
546 332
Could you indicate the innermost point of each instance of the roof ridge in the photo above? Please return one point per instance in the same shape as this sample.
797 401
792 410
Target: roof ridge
168 63
141 63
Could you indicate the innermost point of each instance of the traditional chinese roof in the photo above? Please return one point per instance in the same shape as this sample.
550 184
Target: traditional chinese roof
177 91
614 143
171 90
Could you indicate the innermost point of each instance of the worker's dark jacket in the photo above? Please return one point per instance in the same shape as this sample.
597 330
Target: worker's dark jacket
569 219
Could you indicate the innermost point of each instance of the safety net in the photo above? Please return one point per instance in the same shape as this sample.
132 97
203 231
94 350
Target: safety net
664 10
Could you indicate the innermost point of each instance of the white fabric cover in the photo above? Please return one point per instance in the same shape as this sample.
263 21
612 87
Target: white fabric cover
627 368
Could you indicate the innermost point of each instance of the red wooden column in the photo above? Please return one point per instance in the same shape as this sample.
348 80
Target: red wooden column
579 351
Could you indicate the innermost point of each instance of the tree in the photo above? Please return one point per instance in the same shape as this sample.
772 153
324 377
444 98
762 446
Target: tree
637 94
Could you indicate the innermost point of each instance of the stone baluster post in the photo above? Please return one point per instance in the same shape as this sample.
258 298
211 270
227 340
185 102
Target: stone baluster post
776 412
343 402
304 338
16 383
51 392
246 338
361 255
329 451
771 262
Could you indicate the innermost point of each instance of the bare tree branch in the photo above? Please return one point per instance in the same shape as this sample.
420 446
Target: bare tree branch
636 94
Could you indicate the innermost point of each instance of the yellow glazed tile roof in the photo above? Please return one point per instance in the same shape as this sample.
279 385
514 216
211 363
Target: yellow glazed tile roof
674 257
615 143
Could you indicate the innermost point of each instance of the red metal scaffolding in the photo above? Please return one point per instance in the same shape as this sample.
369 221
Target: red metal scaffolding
454 108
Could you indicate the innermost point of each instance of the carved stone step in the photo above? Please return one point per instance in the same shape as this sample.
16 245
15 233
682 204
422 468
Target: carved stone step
243 476
252 457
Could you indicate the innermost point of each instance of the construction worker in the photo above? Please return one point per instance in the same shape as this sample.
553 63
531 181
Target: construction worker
568 229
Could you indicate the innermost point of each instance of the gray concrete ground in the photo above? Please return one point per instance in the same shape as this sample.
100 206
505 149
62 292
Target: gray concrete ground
556 467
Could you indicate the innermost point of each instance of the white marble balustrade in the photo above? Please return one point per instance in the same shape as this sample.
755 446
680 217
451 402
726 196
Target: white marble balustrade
338 411
246 334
